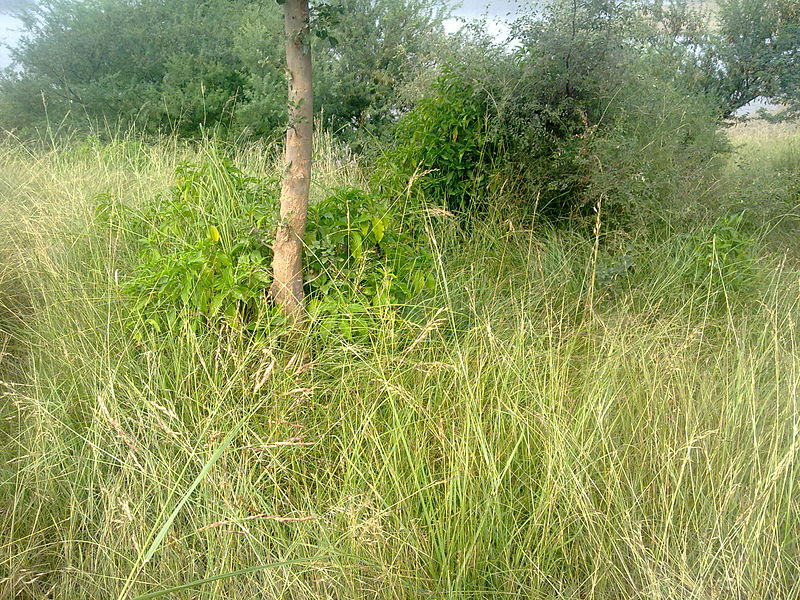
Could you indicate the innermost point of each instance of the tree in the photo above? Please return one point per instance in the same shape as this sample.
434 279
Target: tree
163 65
287 268
384 45
756 53
735 53
185 66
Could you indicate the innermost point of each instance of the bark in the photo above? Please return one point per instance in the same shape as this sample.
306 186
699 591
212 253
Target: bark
287 262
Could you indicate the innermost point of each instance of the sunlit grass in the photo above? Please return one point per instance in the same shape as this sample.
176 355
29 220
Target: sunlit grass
541 432
762 179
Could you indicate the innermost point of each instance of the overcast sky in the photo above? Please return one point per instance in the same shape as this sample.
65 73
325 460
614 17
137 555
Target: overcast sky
496 8
9 5
497 12
7 35
8 24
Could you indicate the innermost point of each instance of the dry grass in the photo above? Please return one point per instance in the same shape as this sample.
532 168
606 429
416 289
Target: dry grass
512 444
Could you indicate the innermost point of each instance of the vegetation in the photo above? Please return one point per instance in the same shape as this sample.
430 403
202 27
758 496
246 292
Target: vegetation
550 307
554 418
756 52
183 66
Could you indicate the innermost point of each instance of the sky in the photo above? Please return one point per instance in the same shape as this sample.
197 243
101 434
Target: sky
497 8
8 26
7 36
497 12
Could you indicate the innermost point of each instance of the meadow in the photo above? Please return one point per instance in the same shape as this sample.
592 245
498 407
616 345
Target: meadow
572 415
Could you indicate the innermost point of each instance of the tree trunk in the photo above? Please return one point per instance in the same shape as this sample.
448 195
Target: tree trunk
287 266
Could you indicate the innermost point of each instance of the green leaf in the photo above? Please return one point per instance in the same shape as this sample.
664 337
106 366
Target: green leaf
418 280
216 303
378 229
356 245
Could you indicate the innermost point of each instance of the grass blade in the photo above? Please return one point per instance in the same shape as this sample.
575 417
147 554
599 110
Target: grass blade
199 582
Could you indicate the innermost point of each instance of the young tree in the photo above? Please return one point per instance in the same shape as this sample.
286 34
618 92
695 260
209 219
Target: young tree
287 285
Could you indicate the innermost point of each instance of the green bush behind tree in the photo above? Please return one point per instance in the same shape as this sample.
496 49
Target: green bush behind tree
586 109
181 66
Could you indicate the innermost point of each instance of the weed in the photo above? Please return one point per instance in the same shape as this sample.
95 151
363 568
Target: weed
204 248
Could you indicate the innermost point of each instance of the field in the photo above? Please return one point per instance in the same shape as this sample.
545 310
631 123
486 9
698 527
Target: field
602 415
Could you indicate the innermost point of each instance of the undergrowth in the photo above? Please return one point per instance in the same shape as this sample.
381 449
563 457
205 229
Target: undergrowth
527 413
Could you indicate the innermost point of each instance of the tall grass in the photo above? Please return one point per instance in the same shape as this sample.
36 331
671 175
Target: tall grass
554 427
763 178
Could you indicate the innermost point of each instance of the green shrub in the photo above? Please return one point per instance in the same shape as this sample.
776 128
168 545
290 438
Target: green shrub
724 259
583 109
443 143
364 252
204 252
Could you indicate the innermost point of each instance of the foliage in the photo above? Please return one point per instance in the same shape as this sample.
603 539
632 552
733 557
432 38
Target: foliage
723 257
162 65
363 252
443 145
183 66
204 250
756 52
579 113
382 44
603 116
197 264
735 51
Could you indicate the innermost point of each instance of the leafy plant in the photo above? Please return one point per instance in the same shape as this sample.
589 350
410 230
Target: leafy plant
185 66
363 254
615 269
723 256
444 143
204 251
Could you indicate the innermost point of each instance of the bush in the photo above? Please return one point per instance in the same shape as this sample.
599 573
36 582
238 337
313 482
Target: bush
203 248
724 258
183 66
364 252
583 110
204 252
443 144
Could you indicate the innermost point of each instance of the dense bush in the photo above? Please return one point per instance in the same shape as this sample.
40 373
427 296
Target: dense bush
724 258
204 252
159 65
582 112
364 254
443 146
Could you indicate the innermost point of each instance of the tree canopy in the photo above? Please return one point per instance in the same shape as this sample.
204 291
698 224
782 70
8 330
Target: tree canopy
184 65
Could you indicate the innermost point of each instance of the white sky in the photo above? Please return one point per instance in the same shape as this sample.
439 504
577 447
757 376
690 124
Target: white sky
495 8
497 13
7 35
